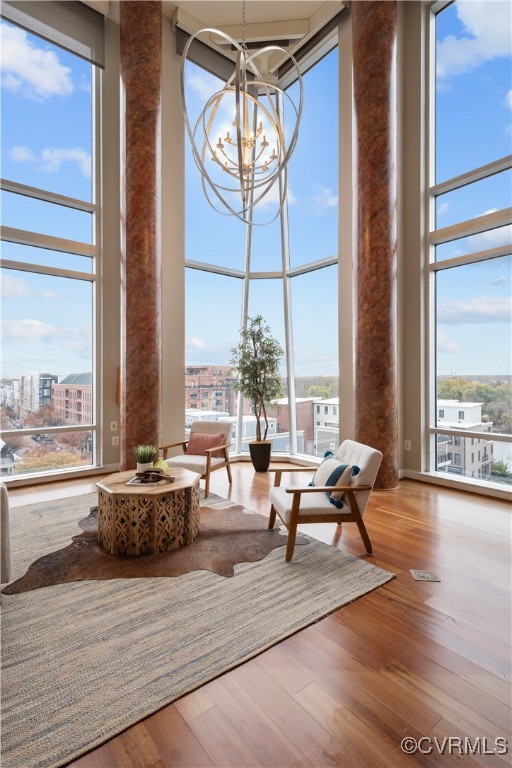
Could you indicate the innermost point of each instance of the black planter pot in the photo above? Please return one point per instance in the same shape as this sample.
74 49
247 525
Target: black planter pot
260 455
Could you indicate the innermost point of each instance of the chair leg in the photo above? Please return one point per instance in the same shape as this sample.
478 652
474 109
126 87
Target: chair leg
272 518
290 544
229 474
207 486
364 535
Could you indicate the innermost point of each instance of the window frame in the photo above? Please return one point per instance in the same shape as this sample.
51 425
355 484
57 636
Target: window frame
285 274
436 236
91 250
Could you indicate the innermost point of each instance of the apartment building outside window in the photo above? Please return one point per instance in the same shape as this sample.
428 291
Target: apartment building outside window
469 233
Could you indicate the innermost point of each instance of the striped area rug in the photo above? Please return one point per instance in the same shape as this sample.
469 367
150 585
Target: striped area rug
83 661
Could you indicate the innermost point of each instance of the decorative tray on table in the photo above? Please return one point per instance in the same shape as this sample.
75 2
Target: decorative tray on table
150 477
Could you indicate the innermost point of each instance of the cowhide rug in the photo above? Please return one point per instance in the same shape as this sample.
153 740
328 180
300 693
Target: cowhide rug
226 537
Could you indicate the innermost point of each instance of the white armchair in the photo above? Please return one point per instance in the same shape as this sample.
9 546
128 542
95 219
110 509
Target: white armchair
312 504
206 450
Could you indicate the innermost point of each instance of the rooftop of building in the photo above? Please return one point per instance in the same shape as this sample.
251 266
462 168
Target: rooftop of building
81 379
455 403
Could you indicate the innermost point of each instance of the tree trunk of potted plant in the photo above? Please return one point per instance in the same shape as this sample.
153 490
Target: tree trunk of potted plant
256 362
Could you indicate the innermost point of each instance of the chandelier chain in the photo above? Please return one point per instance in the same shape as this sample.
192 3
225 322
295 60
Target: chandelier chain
244 45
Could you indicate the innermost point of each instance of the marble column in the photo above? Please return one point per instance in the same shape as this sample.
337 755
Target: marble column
374 32
141 56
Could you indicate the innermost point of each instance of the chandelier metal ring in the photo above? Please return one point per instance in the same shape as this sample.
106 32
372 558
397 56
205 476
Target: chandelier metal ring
253 166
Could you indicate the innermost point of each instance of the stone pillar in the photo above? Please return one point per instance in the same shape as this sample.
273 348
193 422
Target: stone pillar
141 56
374 33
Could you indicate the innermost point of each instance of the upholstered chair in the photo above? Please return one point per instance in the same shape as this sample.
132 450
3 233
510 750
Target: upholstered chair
339 494
206 450
5 542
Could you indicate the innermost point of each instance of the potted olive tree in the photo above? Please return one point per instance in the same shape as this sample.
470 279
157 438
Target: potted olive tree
255 362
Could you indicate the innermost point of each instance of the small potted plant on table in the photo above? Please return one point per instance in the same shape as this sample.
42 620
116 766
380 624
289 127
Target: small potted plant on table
256 363
145 456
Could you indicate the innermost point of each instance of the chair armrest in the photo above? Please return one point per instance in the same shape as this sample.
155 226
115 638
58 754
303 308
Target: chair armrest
279 473
165 448
217 448
293 469
328 488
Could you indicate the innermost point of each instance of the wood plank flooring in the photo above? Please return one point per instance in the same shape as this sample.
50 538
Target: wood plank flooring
412 659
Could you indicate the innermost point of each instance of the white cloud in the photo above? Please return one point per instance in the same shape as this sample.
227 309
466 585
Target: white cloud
324 198
442 208
203 84
30 71
501 280
208 351
51 158
508 99
16 287
272 196
28 330
192 342
22 154
483 309
446 344
311 362
483 241
486 25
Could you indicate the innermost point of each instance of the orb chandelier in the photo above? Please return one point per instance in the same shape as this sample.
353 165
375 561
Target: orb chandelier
238 141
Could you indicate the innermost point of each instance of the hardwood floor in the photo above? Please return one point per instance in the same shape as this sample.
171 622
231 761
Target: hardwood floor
412 659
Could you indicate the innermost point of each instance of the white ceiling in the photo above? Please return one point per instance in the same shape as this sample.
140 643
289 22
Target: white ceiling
266 20
214 14
287 23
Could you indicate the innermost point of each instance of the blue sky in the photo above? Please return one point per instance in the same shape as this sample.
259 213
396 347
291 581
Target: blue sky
46 142
473 111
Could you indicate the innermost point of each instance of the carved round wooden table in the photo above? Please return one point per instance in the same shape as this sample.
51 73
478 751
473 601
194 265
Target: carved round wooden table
148 519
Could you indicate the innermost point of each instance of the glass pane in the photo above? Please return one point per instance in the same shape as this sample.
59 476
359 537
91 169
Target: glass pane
266 255
31 454
473 83
209 236
46 218
46 120
474 346
316 359
475 402
266 299
485 196
480 458
313 168
47 340
483 241
211 333
45 258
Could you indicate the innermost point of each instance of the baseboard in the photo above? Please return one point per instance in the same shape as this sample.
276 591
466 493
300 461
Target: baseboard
15 481
468 484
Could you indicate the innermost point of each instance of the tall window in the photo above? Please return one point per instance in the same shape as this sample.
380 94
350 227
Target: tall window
48 257
285 271
470 236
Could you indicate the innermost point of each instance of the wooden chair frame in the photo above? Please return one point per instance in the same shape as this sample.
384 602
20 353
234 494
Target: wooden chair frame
209 468
354 516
